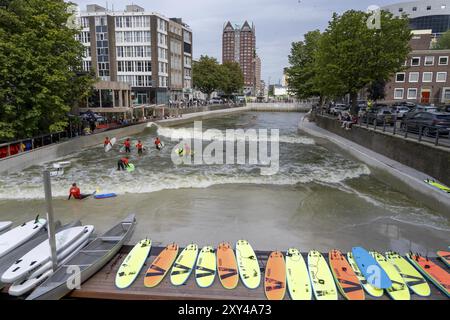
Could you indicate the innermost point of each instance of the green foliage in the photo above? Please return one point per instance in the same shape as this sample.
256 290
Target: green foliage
443 42
40 67
206 74
232 78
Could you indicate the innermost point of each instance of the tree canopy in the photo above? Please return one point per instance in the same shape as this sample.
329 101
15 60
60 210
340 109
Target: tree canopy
40 67
443 42
233 78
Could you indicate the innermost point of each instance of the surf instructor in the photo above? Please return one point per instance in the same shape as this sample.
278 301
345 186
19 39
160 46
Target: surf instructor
76 193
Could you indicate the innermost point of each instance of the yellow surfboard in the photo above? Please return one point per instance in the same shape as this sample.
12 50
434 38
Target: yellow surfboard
413 279
299 285
374 292
399 289
182 268
248 265
321 277
205 271
132 264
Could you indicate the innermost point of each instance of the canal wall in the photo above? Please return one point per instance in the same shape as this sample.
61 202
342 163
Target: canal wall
401 177
279 107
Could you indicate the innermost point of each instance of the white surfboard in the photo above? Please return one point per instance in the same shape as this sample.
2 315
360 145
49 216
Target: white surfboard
57 173
21 287
4 225
40 255
61 164
19 235
110 145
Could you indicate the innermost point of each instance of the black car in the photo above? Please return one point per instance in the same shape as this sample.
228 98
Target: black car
429 122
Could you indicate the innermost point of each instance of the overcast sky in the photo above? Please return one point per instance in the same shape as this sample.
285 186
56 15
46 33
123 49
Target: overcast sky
278 22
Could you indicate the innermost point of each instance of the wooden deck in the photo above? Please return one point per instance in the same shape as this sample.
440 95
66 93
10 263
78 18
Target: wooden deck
102 285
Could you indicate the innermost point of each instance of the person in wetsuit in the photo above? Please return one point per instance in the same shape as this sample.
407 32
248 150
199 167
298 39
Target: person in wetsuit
158 144
122 164
76 193
140 147
127 145
106 142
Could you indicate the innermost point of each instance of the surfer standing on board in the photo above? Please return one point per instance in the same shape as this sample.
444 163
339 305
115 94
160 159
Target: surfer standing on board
76 193
107 141
158 144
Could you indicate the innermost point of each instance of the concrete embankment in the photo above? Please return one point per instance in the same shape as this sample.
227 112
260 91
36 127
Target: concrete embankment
400 176
279 107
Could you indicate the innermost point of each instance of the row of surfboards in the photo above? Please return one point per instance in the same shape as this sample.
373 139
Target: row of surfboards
355 274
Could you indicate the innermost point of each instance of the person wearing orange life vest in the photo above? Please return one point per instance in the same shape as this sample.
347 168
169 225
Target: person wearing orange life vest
122 164
106 142
76 193
127 145
140 147
158 143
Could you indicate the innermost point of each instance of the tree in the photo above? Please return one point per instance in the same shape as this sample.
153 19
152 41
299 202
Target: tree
443 42
352 56
302 71
376 90
40 67
206 75
232 78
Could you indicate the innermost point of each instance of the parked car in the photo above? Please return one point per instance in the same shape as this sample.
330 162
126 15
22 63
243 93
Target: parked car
378 117
410 105
215 101
338 108
430 122
446 108
400 111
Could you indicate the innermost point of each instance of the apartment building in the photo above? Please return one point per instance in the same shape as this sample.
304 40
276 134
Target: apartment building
137 47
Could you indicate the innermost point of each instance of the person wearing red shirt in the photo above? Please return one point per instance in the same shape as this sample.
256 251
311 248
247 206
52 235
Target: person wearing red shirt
76 193
127 145
122 163
140 147
158 143
107 141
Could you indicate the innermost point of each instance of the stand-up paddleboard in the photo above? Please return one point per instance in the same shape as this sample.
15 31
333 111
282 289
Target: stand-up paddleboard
434 273
132 264
399 290
445 257
162 263
25 285
275 277
248 265
370 269
410 275
346 279
61 164
19 235
110 145
437 185
205 270
40 255
321 278
130 167
371 290
105 196
227 268
5 225
182 268
297 277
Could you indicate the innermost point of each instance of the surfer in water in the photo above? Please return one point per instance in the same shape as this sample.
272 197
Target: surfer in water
127 145
140 147
122 163
158 144
76 193
106 142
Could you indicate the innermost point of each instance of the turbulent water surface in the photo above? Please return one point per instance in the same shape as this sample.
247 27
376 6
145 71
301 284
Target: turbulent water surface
319 198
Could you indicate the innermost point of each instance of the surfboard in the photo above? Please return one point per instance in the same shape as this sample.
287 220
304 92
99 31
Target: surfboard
105 195
160 266
347 282
15 237
322 280
61 164
248 265
297 277
370 269
275 277
35 258
445 257
438 276
57 173
205 270
371 290
5 225
227 268
438 185
410 275
132 264
183 266
399 290
110 145
130 167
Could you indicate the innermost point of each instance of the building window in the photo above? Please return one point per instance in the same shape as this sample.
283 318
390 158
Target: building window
428 8
443 61
441 77
415 61
412 93
414 9
398 93
429 61
413 77
400 9
446 95
427 77
400 77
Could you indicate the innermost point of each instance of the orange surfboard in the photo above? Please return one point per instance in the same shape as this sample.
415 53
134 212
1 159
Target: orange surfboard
432 271
445 257
345 277
275 277
160 266
227 268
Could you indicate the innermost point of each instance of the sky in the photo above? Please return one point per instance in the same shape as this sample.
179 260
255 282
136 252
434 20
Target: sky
278 23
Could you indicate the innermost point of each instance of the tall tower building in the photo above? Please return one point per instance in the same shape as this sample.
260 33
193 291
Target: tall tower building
239 45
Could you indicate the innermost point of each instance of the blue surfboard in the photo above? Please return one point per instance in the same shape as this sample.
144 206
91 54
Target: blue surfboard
370 269
105 195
